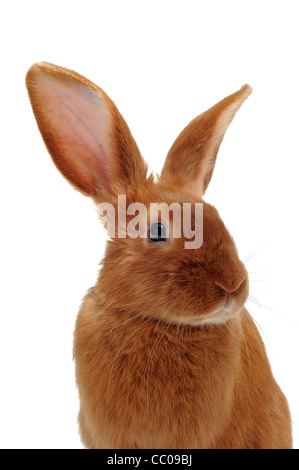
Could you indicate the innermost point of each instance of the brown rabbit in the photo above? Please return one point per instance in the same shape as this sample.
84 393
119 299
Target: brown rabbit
166 354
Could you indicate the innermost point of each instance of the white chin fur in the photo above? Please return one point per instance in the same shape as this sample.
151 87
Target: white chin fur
218 317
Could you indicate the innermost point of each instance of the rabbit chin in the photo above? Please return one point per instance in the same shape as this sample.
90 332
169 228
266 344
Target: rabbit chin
218 316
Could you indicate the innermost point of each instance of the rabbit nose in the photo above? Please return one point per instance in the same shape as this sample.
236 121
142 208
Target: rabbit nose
229 289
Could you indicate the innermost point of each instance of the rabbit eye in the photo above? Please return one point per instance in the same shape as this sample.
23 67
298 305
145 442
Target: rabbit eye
157 232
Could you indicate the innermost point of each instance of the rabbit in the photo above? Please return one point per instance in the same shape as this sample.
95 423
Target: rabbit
166 354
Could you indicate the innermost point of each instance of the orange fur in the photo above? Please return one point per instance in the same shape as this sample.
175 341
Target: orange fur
155 366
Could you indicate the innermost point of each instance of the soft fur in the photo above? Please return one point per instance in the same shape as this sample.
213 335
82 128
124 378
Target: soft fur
160 363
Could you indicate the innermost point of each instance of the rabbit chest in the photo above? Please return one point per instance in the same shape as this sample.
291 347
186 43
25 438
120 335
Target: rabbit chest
146 383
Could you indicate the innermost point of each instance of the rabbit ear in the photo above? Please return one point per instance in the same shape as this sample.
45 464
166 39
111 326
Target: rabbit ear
190 161
87 137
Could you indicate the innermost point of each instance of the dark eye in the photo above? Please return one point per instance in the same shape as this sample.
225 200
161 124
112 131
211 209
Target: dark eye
157 232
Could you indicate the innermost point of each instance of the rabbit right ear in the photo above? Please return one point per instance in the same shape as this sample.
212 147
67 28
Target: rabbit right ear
87 137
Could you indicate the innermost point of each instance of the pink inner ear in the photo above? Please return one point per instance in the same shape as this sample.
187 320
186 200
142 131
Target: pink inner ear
77 125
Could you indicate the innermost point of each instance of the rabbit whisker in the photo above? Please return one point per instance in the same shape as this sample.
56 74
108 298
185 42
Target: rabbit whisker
254 300
253 253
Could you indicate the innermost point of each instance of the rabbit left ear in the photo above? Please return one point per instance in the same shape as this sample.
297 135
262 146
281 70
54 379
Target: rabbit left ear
87 138
191 159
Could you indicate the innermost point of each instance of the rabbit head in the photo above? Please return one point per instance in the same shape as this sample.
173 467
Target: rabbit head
152 274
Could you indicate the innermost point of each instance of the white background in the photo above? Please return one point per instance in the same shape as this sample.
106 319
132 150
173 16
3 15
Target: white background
163 63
